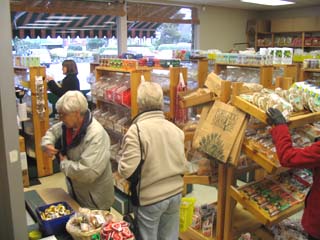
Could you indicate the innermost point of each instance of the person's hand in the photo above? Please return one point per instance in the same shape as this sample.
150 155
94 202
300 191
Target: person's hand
51 150
62 157
275 117
49 78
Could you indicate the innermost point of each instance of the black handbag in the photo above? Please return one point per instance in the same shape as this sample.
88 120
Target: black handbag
134 180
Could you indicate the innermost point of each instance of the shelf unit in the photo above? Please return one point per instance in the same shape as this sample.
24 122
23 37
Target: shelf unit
266 71
40 121
306 73
271 166
220 182
295 39
135 78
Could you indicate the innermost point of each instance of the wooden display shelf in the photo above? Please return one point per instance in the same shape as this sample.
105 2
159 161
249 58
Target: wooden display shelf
195 179
242 65
243 221
196 100
294 121
116 69
112 103
262 216
192 234
268 164
311 70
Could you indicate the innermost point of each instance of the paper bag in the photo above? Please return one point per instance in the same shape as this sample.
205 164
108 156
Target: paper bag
217 133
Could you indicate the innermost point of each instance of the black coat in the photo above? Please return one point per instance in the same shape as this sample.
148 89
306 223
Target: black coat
70 82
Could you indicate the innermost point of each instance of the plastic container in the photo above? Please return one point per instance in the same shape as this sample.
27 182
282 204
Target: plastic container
186 213
56 225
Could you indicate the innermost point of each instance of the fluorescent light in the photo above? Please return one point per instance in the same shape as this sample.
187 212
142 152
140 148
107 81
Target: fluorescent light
65 17
269 2
109 23
53 21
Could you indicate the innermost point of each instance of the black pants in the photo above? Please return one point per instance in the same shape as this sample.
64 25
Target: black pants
312 238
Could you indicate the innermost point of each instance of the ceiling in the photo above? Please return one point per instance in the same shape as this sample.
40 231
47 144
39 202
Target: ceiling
235 4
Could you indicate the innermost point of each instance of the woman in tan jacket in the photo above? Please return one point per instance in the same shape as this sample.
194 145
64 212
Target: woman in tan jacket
160 183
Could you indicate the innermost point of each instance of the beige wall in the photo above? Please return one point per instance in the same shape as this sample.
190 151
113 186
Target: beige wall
220 27
289 13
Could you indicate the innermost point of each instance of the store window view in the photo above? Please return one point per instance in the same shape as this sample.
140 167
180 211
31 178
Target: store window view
187 120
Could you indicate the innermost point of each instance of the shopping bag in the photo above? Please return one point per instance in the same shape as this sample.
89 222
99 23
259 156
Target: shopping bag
219 130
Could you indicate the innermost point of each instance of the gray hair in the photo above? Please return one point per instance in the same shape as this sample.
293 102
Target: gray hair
149 96
72 101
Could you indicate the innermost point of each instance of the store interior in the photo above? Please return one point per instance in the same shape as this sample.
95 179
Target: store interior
240 59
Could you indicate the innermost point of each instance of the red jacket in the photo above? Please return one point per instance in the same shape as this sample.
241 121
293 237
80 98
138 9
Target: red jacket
308 157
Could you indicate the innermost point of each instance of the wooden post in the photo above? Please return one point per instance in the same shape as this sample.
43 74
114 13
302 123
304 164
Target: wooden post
40 122
291 71
230 181
202 72
266 76
222 172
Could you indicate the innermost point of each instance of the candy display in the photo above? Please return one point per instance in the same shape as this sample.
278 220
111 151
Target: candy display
277 193
259 139
204 218
116 231
53 217
55 211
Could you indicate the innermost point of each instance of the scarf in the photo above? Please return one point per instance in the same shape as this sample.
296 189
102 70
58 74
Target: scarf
76 140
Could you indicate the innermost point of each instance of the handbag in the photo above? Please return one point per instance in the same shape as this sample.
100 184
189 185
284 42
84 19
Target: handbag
134 180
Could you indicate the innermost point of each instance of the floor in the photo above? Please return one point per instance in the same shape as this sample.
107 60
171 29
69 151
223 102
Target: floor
203 194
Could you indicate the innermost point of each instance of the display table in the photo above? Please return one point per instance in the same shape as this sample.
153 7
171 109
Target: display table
37 198
51 195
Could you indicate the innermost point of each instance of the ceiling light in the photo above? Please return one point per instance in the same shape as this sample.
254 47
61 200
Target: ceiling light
53 21
65 17
269 2
109 23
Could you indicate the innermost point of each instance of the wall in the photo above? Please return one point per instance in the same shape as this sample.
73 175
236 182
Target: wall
221 27
289 13
13 217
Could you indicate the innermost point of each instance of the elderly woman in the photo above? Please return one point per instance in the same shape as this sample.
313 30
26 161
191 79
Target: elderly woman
83 152
159 184
70 82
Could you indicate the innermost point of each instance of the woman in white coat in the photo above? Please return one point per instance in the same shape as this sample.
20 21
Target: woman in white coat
83 147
